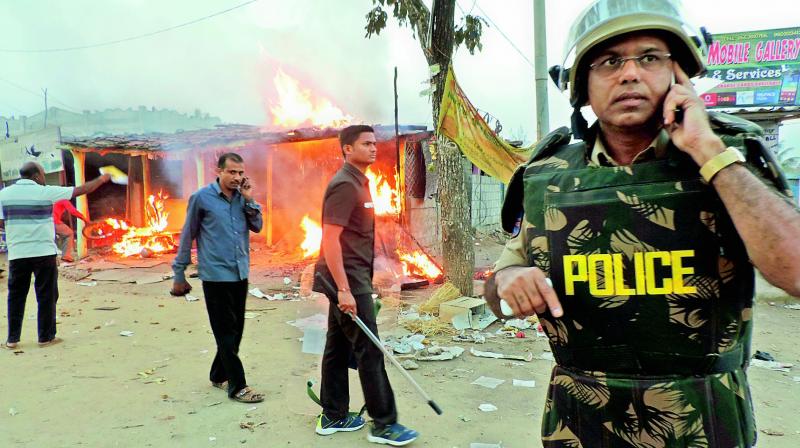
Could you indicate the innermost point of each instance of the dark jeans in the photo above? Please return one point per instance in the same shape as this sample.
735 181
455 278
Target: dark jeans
225 302
344 339
45 273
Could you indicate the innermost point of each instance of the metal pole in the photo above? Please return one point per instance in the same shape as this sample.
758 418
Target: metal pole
331 293
78 164
270 167
540 61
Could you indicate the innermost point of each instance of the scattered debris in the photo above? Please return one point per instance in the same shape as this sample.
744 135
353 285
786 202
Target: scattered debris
427 325
91 283
473 336
287 281
255 292
519 324
526 358
793 306
406 344
106 308
409 364
467 312
318 320
151 277
251 315
772 432
190 298
764 356
488 382
444 293
251 425
126 333
524 383
771 365
439 353
12 412
314 339
487 407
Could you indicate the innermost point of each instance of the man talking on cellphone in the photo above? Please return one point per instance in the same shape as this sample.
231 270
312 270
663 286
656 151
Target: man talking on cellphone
219 217
639 241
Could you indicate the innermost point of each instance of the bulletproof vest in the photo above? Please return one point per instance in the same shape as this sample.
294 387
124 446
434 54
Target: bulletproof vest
650 271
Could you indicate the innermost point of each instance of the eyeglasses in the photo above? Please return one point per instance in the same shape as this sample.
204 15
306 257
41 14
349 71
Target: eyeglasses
650 62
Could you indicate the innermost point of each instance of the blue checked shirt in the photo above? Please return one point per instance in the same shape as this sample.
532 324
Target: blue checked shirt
220 227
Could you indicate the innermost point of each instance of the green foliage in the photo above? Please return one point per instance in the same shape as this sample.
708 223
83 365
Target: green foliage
415 15
469 32
411 13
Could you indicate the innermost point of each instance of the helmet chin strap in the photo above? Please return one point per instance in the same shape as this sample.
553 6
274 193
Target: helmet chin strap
579 124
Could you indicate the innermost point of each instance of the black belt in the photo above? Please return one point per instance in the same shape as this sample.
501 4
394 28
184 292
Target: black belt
629 360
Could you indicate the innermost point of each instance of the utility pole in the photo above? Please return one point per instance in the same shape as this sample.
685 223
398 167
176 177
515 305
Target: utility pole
540 62
45 107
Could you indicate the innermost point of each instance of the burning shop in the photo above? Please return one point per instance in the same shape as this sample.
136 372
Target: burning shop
289 171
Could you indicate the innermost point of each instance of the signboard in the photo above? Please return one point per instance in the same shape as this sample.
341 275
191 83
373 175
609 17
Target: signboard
40 146
757 69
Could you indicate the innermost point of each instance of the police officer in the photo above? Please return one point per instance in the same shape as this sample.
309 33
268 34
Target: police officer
639 240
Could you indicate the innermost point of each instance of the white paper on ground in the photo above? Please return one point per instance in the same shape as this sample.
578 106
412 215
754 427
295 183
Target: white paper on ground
255 292
771 365
524 383
190 298
487 407
519 324
314 340
526 358
489 382
318 320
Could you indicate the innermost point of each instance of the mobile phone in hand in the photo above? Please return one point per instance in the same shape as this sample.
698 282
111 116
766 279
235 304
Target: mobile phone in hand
678 111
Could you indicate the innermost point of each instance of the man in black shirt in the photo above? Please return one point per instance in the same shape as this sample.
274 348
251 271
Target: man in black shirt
348 236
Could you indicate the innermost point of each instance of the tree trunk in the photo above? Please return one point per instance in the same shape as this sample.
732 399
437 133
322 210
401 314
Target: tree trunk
454 196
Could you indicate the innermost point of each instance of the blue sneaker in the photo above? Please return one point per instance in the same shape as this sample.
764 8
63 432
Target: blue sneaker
326 426
394 435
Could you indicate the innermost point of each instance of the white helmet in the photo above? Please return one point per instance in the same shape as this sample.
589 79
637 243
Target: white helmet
607 19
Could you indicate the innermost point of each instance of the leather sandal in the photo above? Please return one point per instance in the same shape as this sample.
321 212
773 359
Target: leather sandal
247 395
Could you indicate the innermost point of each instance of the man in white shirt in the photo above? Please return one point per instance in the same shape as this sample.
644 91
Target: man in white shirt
26 211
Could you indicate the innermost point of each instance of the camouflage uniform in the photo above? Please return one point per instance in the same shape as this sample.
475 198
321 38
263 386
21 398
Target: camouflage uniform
656 288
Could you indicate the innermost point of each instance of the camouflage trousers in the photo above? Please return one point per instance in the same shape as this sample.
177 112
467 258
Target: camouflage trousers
602 410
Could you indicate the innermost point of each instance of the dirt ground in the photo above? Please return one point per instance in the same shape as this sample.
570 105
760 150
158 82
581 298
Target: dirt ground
100 389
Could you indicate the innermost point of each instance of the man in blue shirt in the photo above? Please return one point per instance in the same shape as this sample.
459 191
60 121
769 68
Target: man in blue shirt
219 216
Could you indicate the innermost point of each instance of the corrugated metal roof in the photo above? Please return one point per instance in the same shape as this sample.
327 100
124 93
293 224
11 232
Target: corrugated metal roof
221 136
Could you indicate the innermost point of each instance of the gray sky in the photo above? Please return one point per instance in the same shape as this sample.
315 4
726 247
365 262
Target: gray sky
225 65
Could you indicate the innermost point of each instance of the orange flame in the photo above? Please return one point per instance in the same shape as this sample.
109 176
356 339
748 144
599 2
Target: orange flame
417 264
296 106
313 239
151 237
385 198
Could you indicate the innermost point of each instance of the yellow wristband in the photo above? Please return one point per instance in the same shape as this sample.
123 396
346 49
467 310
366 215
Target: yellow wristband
728 157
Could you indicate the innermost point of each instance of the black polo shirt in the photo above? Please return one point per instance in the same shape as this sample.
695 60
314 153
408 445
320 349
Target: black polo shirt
348 203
